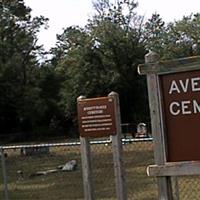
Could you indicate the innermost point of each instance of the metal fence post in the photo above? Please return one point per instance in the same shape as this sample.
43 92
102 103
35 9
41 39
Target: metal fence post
3 163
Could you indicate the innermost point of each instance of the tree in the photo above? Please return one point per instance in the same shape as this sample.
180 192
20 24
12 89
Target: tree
173 40
186 36
155 33
20 106
122 12
103 57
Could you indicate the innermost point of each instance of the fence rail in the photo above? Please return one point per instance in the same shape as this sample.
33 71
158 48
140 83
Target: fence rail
108 141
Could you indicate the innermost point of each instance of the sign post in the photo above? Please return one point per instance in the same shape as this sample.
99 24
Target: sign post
100 117
174 99
117 151
86 168
86 163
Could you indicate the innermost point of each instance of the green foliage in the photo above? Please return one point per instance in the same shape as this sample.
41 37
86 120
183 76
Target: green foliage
92 61
102 58
155 33
20 105
174 40
122 12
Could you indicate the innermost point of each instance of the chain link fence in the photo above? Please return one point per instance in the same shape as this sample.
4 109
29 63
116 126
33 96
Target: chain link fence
37 172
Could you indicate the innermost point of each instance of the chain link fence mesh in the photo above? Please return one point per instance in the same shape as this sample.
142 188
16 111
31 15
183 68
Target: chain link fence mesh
137 156
38 175
186 187
103 171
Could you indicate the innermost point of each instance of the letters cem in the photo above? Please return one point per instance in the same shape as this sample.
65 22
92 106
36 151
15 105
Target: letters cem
185 107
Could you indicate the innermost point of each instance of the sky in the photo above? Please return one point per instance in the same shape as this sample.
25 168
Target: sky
65 13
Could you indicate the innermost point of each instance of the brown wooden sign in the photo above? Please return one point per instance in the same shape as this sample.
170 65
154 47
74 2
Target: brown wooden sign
181 108
96 117
174 101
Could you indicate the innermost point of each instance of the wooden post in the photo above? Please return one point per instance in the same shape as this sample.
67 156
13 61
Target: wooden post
164 183
3 162
86 165
86 168
117 151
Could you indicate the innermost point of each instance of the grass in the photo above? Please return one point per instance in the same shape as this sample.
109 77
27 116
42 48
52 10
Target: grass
68 185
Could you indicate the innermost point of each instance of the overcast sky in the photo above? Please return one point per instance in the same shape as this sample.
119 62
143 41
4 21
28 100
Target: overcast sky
64 13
